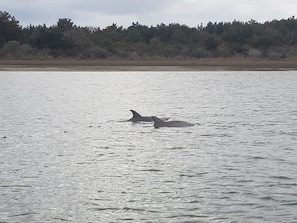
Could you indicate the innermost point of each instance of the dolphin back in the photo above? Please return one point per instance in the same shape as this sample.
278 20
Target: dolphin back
157 122
161 123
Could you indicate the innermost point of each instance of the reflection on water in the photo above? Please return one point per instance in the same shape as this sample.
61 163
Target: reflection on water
67 155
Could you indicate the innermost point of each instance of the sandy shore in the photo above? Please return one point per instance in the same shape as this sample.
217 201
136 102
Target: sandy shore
149 65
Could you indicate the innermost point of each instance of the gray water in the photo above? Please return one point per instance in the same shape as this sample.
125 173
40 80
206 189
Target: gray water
67 154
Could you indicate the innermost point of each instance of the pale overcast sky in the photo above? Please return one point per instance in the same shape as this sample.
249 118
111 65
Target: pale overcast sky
102 13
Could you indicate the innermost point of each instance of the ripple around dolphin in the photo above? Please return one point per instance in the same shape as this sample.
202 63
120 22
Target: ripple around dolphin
177 147
150 170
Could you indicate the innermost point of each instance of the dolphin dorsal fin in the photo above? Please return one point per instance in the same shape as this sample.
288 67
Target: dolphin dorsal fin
135 114
157 120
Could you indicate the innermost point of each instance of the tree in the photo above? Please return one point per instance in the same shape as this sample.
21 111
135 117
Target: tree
211 43
134 33
9 28
270 39
113 33
65 24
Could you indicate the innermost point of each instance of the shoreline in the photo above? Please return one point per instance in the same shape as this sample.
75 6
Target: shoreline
207 64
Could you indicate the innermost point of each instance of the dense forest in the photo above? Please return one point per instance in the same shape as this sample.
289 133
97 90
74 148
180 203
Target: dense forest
274 39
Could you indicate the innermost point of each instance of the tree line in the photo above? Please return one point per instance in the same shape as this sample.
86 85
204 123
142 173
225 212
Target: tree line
273 39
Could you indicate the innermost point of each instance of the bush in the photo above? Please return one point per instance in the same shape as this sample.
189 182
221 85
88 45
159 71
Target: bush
13 49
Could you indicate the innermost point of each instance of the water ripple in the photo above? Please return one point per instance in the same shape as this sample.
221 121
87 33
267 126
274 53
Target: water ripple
66 155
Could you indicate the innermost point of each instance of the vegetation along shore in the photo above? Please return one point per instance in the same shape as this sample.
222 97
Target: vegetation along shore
237 45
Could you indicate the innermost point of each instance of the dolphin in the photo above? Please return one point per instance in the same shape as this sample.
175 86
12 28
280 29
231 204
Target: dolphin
161 123
138 118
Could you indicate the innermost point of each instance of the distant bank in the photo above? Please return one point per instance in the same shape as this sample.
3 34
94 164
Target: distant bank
149 65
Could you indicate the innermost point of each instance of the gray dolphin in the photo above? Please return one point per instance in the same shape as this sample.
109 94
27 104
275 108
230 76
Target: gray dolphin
161 123
138 118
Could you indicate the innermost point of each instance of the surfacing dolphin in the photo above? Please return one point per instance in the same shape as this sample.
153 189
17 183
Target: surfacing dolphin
158 123
138 118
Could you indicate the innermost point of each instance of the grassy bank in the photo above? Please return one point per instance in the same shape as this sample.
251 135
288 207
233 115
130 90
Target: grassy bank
149 65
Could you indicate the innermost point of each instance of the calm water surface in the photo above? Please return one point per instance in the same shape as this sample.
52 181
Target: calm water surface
66 154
